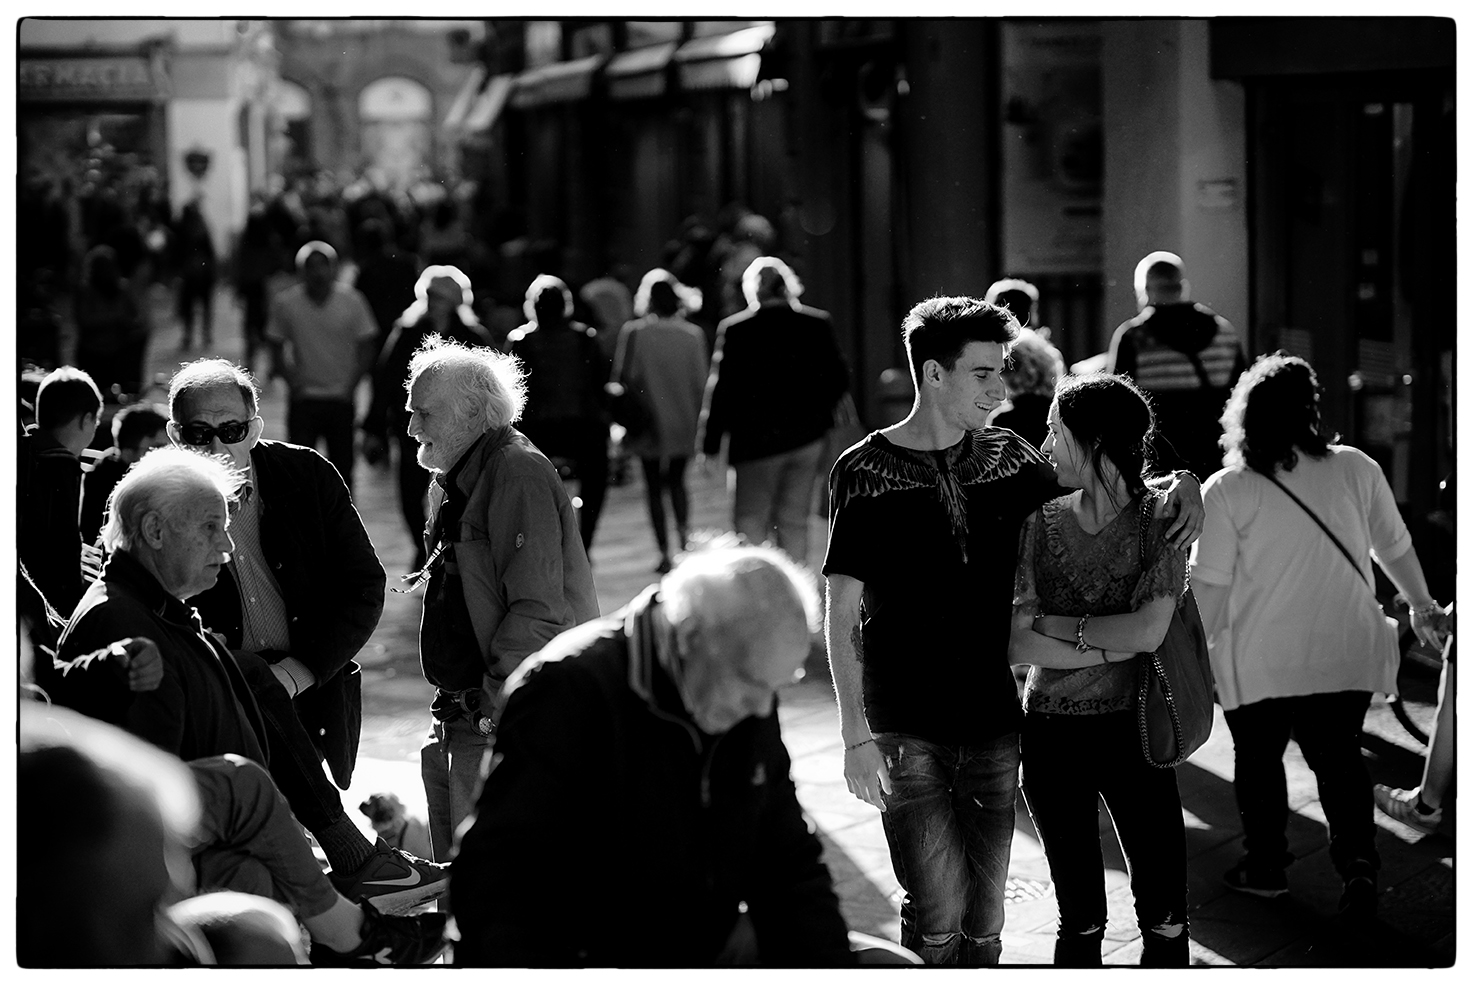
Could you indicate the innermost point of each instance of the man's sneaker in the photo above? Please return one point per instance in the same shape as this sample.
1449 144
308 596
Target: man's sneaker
1358 899
1268 883
419 939
393 880
1401 805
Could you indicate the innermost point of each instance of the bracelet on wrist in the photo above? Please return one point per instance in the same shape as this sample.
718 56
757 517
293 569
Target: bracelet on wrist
1425 610
855 745
1079 643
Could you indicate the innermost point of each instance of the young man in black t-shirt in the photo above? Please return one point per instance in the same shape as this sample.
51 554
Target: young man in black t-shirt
923 545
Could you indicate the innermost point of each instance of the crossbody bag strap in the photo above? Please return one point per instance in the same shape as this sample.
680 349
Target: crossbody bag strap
1315 517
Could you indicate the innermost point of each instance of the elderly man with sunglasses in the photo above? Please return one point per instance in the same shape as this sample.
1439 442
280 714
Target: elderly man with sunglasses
300 596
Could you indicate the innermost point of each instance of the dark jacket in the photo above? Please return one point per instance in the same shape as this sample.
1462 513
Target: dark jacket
386 411
332 584
203 706
775 377
97 485
49 486
566 372
613 833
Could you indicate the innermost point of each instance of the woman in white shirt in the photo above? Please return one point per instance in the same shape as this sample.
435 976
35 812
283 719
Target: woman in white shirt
1298 639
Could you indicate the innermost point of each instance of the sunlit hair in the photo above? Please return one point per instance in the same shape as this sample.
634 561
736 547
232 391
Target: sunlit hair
1034 365
1018 296
204 375
770 279
316 246
421 306
1273 415
162 481
1111 418
662 292
66 394
489 388
736 589
1161 263
540 285
939 328
137 422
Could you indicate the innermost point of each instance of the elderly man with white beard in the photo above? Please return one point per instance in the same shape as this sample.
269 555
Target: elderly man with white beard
506 571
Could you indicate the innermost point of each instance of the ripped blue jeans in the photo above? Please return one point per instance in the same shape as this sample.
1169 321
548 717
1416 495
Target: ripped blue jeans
949 823
1070 763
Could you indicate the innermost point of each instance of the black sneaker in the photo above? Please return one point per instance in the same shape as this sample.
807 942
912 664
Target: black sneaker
393 880
1268 883
1358 898
419 939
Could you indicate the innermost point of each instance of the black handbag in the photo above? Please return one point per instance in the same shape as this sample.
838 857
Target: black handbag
629 407
1174 685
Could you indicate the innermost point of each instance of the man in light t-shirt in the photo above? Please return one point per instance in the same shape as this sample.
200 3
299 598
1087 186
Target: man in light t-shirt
326 333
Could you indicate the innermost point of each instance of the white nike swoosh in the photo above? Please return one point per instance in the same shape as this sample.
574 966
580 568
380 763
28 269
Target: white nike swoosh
413 879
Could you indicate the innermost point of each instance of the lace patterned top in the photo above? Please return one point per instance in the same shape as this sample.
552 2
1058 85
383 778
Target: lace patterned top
1065 571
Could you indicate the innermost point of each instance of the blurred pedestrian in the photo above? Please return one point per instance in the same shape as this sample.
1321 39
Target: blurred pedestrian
110 333
1034 364
136 429
506 572
326 335
661 359
565 415
1185 356
386 276
777 378
49 484
702 855
610 305
194 259
442 307
256 259
1089 601
1298 639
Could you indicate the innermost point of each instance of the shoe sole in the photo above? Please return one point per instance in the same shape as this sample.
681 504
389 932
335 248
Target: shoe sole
1254 891
401 902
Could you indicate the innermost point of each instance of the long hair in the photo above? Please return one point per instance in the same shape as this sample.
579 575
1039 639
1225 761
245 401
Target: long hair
1273 415
1112 418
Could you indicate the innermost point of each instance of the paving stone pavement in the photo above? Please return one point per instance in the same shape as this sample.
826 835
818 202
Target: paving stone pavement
1416 925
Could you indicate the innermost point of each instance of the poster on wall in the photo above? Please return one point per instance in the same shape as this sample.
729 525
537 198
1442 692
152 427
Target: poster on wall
1053 148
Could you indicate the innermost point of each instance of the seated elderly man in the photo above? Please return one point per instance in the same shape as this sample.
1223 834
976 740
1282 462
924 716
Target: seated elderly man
641 795
299 597
167 535
110 826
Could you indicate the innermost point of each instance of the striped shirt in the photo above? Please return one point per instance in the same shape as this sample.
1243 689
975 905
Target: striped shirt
264 624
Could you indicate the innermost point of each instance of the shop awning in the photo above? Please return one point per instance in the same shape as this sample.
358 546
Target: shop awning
465 98
639 73
487 110
560 82
723 61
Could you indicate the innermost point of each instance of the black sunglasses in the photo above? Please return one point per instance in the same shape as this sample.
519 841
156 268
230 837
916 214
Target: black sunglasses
230 432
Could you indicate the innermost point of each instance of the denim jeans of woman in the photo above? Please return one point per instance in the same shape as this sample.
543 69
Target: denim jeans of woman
1070 762
949 822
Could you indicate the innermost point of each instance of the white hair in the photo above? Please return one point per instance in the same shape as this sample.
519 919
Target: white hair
737 589
490 387
770 278
159 482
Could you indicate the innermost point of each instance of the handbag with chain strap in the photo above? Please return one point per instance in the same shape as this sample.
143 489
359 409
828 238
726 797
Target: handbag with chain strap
1174 684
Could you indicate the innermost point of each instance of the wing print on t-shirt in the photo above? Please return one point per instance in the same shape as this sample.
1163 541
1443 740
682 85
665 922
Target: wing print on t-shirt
984 455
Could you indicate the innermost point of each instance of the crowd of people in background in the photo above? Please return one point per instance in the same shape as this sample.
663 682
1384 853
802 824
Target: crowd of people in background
213 605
